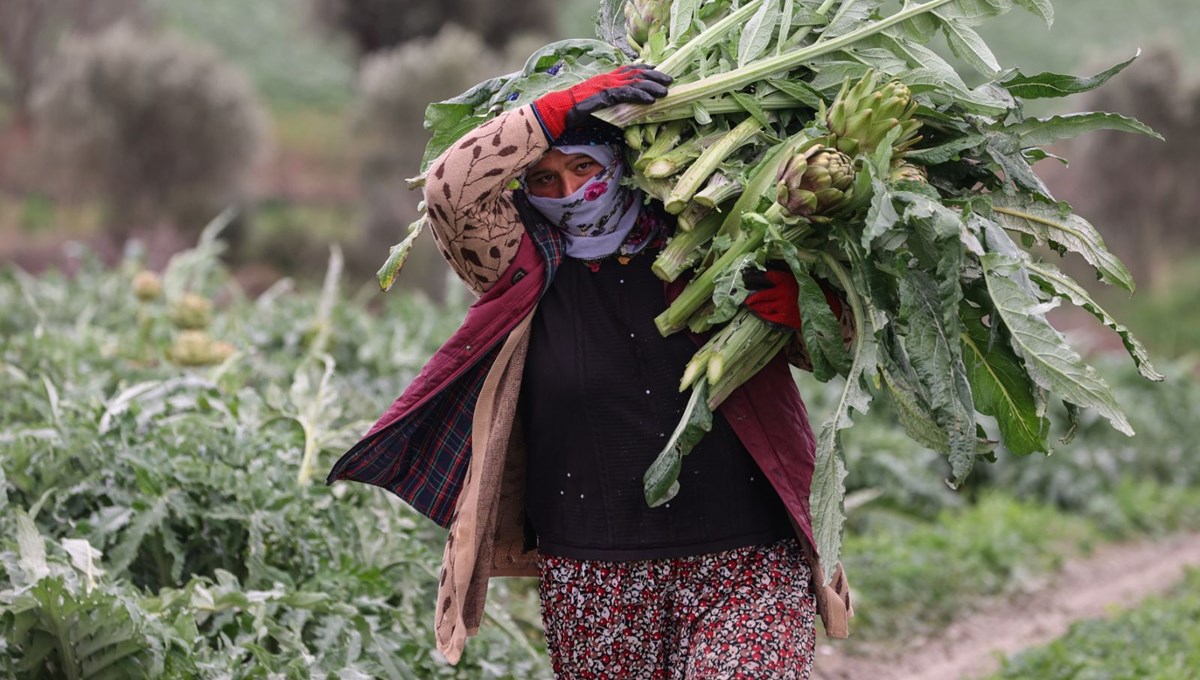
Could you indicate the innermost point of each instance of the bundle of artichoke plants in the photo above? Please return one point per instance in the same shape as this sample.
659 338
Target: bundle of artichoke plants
826 136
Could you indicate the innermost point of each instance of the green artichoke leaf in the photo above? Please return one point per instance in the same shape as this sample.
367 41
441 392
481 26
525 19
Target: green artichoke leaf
552 67
1001 388
683 17
799 90
756 34
1055 282
967 45
398 254
729 289
829 73
934 348
1043 131
821 330
752 106
851 15
1054 85
882 215
1040 8
947 151
913 410
1055 225
1005 150
610 21
1049 360
661 481
829 474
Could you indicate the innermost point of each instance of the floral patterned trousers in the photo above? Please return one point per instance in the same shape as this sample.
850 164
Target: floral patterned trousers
744 613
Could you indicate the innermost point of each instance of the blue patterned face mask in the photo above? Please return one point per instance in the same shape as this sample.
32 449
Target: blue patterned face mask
596 219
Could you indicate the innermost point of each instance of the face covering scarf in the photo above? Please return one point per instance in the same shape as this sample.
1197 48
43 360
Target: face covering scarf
597 219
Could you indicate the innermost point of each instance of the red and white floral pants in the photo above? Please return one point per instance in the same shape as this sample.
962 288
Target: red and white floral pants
745 613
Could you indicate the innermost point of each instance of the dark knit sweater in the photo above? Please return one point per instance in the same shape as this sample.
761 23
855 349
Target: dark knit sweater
599 399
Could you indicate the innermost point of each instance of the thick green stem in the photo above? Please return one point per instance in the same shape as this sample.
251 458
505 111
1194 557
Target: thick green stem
627 114
700 290
708 163
692 215
674 161
694 49
718 190
664 140
758 347
719 105
685 248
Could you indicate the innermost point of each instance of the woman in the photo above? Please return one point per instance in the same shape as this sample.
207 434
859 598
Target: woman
529 430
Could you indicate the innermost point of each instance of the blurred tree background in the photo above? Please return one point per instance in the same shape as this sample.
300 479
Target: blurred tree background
137 119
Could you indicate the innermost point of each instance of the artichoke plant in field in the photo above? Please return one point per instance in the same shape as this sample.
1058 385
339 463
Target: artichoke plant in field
824 136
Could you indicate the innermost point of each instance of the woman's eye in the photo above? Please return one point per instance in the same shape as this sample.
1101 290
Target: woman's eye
583 167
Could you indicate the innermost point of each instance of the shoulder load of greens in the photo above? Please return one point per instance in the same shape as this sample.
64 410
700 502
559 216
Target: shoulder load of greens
826 136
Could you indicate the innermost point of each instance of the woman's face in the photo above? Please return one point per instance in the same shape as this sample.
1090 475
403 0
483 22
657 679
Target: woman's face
557 174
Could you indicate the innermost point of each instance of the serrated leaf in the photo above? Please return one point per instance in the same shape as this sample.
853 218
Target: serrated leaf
967 45
785 25
1047 224
683 14
31 548
975 12
914 414
661 481
1041 8
829 474
756 34
1053 85
144 523
800 91
751 105
935 352
820 329
729 289
850 16
945 152
398 254
1005 150
1043 131
1055 282
1049 360
1001 388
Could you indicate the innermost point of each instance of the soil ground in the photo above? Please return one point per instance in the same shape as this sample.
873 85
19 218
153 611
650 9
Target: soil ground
1113 577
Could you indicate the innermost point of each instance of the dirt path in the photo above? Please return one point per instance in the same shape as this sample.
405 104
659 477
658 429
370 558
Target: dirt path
1114 576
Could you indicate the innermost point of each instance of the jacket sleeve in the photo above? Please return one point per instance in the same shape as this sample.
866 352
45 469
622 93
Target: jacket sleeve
468 201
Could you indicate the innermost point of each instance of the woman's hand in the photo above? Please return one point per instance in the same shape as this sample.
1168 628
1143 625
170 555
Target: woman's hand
572 107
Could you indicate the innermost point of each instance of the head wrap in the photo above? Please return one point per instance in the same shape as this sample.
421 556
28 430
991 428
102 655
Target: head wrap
597 218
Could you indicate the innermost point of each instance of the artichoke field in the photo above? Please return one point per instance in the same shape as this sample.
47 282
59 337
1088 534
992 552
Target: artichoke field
825 135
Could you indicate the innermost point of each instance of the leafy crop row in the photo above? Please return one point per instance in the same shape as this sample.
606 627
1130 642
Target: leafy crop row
158 520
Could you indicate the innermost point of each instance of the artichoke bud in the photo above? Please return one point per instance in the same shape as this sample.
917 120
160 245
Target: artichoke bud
147 286
191 348
867 113
815 183
908 172
643 17
191 312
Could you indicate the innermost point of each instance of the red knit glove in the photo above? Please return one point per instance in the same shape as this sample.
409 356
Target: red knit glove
635 84
776 294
